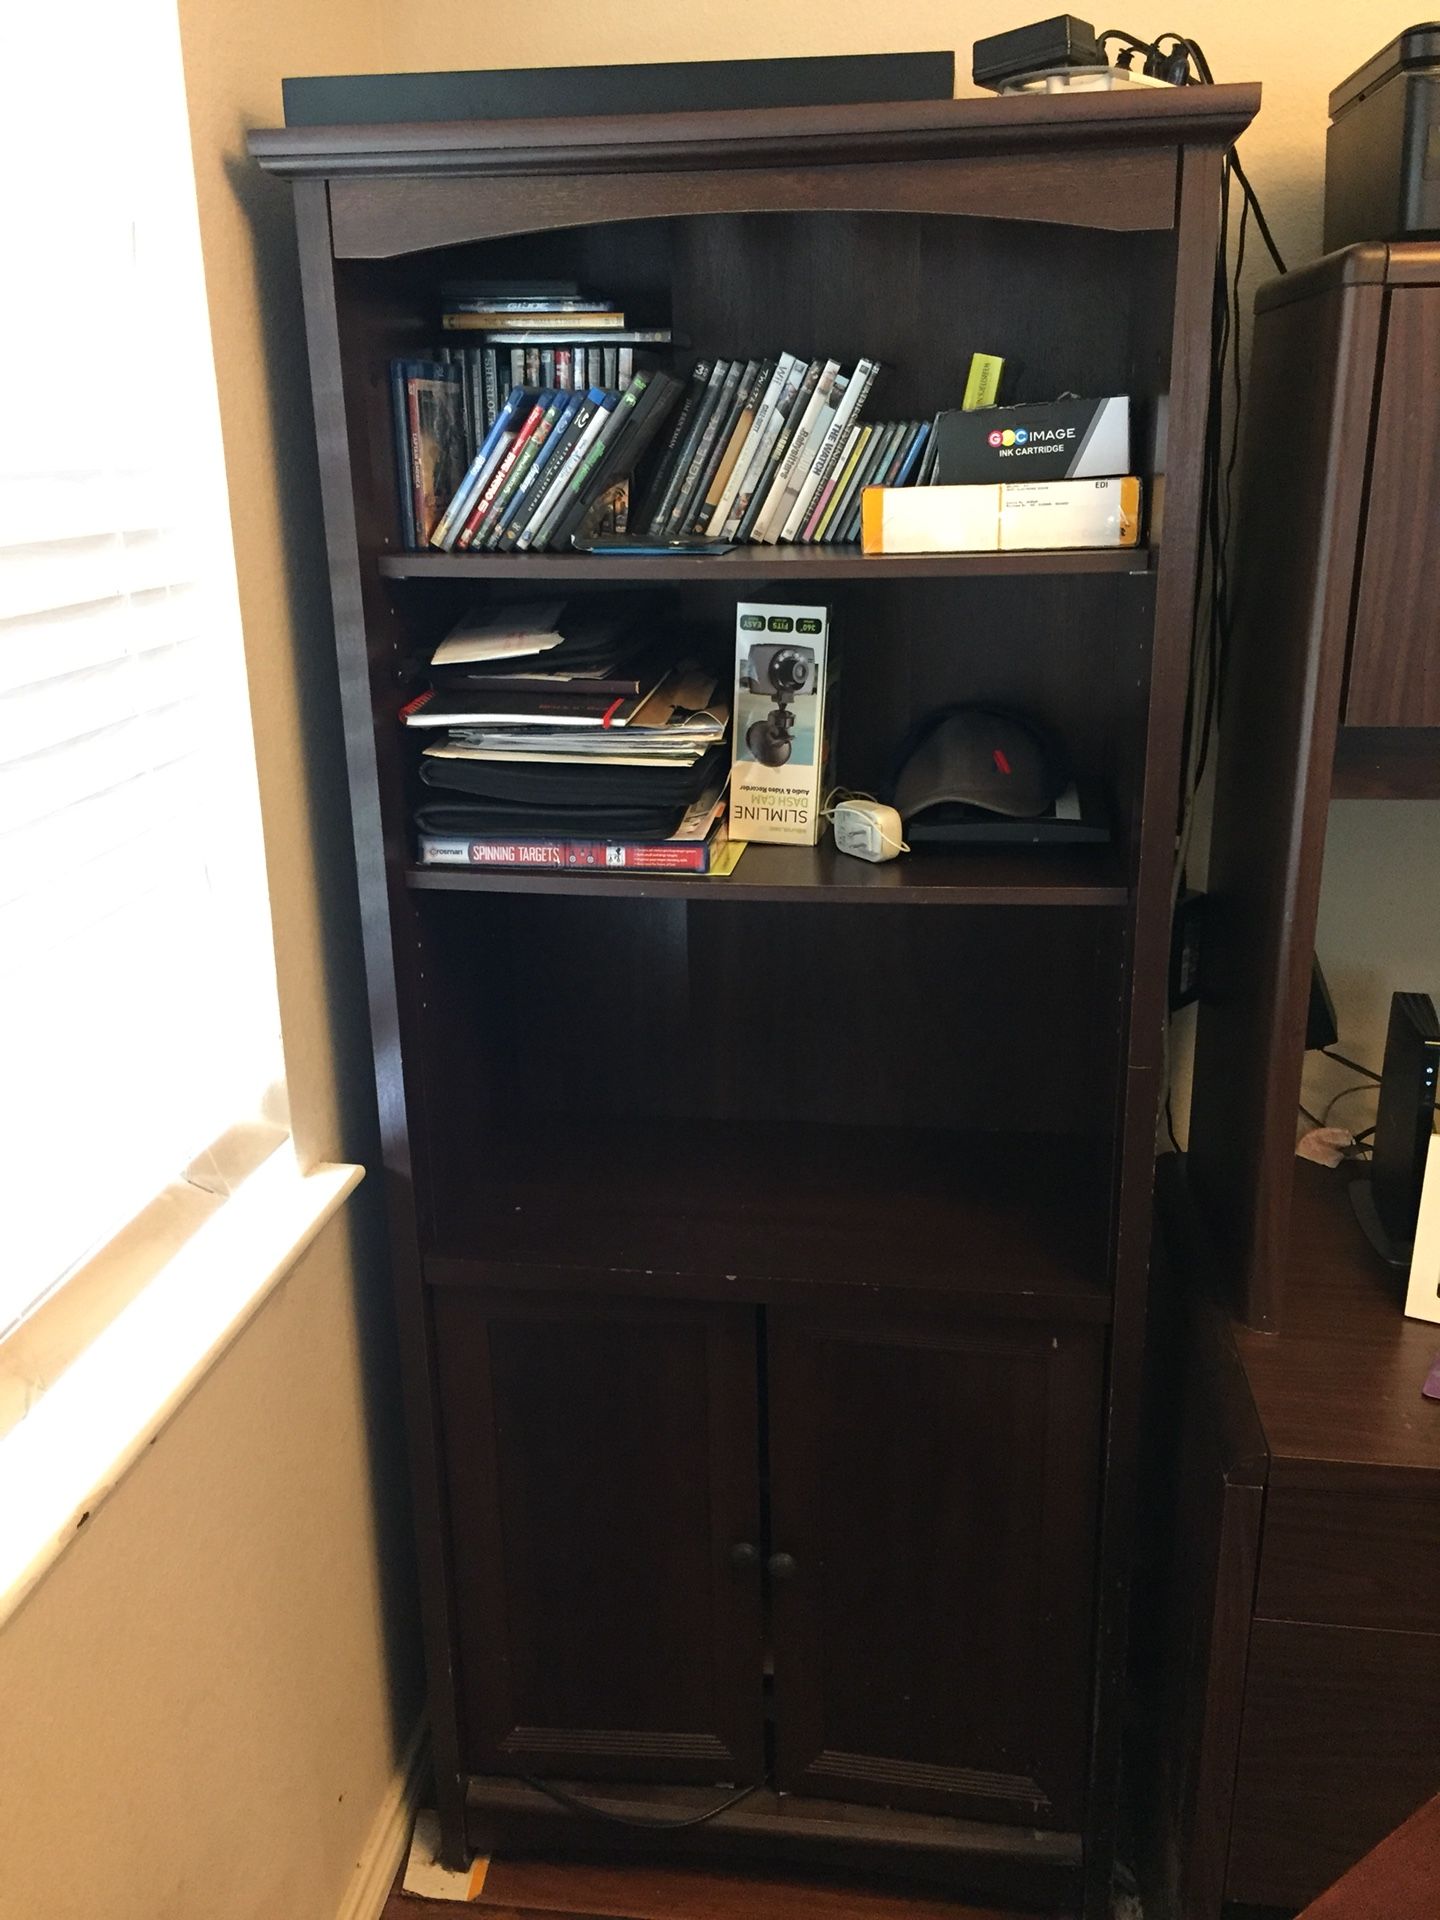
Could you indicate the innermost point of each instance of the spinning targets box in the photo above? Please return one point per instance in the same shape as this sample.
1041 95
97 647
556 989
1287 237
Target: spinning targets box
784 668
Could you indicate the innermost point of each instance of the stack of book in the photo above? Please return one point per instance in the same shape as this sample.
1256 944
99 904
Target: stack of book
572 737
541 333
554 463
775 450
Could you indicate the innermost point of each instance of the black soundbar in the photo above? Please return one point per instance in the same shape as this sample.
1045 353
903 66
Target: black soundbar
667 86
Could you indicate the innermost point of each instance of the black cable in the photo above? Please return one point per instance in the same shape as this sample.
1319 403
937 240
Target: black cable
1131 40
1212 623
1209 663
1355 1066
1223 609
1197 56
574 1804
1264 225
1313 1118
1170 1124
1344 1094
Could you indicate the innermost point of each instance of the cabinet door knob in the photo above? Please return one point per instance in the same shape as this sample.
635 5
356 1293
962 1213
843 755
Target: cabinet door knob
743 1556
781 1566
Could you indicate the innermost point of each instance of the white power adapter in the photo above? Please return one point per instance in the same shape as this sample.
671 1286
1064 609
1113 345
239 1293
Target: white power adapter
868 829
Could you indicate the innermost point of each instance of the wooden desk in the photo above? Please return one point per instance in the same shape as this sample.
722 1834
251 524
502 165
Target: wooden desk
1296 1687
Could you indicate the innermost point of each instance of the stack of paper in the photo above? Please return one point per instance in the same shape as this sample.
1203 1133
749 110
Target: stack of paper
583 720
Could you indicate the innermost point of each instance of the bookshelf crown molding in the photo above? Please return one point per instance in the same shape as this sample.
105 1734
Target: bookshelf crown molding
762 137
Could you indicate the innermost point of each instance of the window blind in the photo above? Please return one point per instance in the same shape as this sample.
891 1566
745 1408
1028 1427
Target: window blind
136 963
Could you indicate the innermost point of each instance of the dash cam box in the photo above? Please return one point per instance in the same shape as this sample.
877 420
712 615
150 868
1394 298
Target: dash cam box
781 749
1057 440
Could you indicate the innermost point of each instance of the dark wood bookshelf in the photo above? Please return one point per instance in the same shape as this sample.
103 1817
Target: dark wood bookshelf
789 1834
1008 1221
750 563
771 1283
983 877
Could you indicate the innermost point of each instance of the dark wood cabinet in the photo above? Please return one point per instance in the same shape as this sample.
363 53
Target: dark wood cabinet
1306 1730
1337 1747
1295 1657
1332 691
934 1487
923 1582
1394 676
604 1495
805 1211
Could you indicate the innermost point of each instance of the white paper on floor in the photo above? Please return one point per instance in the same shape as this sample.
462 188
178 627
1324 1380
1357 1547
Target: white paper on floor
424 1873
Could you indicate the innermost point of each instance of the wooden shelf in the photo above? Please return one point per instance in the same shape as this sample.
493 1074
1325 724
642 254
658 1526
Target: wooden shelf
1386 763
979 877
539 570
789 1831
1342 1382
1012 1221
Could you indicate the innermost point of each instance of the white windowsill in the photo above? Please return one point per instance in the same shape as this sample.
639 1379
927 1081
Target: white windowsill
58 1465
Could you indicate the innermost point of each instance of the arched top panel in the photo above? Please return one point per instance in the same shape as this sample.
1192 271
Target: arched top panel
1120 190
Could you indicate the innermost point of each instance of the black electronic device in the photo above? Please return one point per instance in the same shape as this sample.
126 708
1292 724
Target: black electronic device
1387 1203
1186 949
1075 818
784 670
1322 1029
658 86
1042 47
634 544
1382 153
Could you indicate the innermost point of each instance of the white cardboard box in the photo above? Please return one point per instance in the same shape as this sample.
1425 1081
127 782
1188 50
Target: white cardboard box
1034 515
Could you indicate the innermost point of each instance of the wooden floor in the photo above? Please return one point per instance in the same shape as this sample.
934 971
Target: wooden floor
553 1890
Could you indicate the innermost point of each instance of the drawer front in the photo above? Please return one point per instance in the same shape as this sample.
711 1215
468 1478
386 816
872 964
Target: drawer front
1353 1559
1338 1747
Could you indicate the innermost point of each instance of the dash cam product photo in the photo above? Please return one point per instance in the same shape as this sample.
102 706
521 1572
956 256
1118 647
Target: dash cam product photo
783 666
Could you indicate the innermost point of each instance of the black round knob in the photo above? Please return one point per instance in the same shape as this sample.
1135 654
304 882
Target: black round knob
782 1566
743 1556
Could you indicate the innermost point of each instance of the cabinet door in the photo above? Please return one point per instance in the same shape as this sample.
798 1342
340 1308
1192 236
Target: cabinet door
933 1499
601 1459
1338 1748
1394 678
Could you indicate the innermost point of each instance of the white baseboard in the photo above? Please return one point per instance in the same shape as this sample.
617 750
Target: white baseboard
389 1836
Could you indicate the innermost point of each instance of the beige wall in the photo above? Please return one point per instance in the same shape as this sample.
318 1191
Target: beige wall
1298 51
1379 933
235 57
200 1714
207 1698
